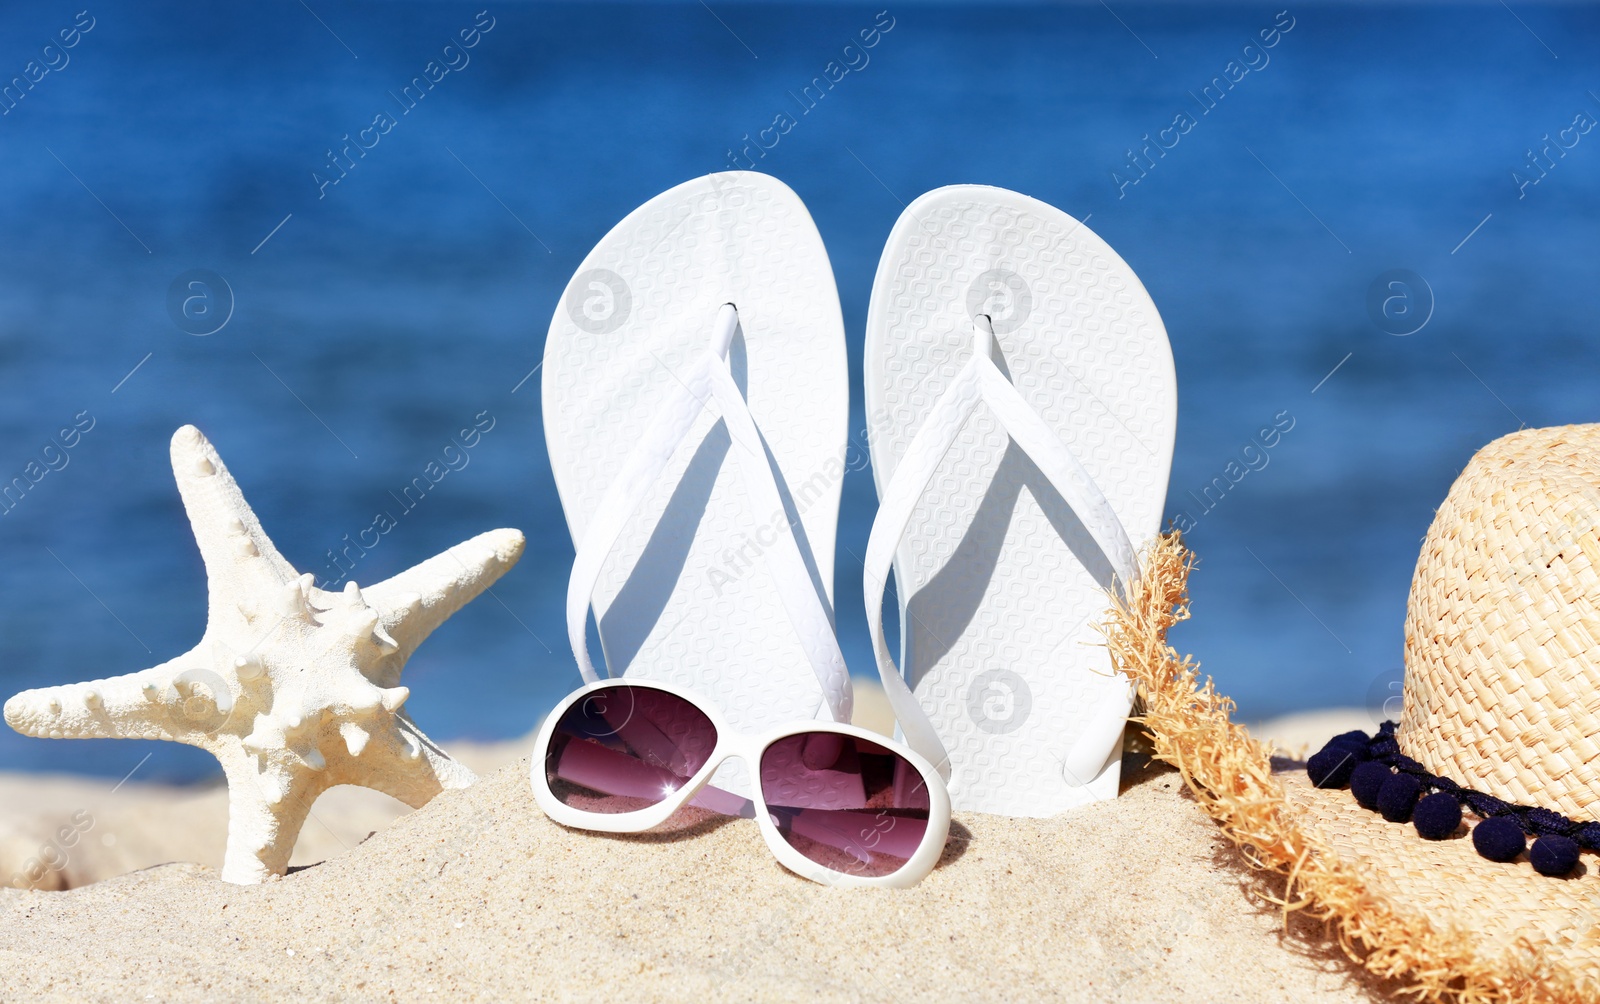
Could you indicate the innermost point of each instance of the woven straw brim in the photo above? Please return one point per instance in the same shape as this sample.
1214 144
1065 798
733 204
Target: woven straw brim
1445 923
1504 910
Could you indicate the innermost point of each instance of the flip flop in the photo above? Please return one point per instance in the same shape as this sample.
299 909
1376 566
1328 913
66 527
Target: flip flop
695 412
1022 407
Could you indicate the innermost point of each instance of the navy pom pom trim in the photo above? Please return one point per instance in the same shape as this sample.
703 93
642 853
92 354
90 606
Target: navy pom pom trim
1366 781
1553 855
1484 805
1543 822
1332 767
1384 746
1437 816
1499 838
1588 836
1398 797
1400 789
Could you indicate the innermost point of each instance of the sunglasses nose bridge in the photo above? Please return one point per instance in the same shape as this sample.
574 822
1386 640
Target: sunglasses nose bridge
720 800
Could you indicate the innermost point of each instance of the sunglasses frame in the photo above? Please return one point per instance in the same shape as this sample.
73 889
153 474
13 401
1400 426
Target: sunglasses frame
749 748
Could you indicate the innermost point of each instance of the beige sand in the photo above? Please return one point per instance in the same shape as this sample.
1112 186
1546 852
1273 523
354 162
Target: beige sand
62 832
477 895
65 832
1301 734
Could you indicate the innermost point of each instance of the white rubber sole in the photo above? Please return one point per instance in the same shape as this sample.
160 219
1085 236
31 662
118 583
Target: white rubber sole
685 596
1001 591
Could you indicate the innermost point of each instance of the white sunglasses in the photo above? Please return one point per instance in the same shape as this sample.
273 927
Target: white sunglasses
836 803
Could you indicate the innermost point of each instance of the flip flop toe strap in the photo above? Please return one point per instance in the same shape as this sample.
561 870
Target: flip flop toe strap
709 380
980 381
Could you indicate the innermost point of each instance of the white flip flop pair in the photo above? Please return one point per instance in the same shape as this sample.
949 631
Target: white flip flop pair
1021 410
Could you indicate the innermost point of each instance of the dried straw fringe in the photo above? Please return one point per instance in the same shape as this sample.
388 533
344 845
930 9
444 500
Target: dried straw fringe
1230 774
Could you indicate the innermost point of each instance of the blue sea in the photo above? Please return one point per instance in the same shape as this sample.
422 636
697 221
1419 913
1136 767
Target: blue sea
1375 226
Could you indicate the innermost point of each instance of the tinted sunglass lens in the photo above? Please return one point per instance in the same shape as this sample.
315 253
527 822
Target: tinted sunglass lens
851 805
624 748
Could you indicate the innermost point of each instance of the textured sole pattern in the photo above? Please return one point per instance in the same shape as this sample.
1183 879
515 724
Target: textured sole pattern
1001 589
685 596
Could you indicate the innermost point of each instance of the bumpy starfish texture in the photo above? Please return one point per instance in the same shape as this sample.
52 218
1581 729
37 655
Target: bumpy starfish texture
292 688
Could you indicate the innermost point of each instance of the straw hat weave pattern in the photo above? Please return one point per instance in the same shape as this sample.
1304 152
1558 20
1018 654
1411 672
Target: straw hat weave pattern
1502 686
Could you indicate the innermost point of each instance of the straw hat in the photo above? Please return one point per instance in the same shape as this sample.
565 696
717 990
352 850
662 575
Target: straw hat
1498 744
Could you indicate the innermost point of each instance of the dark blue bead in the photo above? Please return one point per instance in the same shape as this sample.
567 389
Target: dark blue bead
1357 750
1383 746
1543 821
1331 768
1398 796
1355 754
1485 805
1386 729
1499 838
1355 747
1365 781
1553 855
1353 737
1588 835
1437 816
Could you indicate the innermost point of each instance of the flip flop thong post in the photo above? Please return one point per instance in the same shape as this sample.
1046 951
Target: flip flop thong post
695 412
1021 409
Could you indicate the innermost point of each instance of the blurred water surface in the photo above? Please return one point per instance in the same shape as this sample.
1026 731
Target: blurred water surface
373 318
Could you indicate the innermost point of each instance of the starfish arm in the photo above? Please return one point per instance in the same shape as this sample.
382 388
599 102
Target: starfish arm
265 814
423 596
414 769
176 701
241 561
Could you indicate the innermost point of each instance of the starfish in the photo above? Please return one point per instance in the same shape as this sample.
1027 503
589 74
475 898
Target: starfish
292 688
